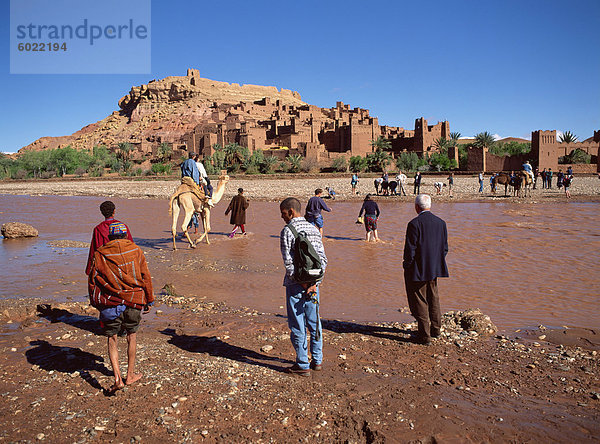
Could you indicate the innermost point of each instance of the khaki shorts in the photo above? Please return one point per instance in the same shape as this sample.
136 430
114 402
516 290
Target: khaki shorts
128 321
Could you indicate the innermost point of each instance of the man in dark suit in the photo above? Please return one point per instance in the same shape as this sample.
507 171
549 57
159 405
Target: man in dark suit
425 250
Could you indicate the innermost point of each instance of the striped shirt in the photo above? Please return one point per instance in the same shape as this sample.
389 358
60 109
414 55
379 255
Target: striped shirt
286 243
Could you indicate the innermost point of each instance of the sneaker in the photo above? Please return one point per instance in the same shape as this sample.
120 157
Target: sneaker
316 367
435 333
231 235
296 370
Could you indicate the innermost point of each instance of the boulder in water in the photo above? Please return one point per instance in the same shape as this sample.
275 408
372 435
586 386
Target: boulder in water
13 230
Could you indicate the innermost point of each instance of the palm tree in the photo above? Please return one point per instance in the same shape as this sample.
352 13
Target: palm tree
379 160
295 161
454 138
567 137
381 144
484 140
125 149
268 164
442 144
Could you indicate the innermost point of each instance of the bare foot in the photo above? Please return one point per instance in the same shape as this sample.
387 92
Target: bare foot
133 378
118 385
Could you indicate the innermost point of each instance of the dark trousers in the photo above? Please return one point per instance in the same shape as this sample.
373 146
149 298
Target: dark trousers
424 305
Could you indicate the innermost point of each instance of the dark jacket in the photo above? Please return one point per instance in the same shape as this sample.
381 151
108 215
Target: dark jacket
425 248
237 206
370 208
314 207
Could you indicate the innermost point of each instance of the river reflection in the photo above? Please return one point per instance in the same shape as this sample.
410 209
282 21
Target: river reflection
522 265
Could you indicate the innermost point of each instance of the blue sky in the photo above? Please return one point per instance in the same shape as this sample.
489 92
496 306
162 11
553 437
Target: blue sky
508 67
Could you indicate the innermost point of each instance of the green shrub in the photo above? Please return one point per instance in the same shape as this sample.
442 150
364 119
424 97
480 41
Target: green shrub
378 160
407 161
268 164
48 174
512 148
161 168
208 166
441 162
358 164
20 174
576 156
340 165
96 171
283 167
295 161
252 169
116 166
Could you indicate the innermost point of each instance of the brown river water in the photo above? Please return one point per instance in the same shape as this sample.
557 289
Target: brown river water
522 265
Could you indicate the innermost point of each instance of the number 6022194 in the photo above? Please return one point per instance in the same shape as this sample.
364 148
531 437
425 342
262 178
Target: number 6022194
42 47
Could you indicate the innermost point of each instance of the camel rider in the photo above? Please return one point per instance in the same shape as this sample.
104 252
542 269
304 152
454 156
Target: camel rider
208 188
527 168
190 169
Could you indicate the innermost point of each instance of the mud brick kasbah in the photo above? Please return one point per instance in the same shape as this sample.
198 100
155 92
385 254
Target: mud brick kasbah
192 114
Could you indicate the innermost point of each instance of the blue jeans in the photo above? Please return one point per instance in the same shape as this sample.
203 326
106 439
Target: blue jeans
481 186
303 313
317 221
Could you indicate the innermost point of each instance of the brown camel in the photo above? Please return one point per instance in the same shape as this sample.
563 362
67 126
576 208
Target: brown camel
502 179
190 203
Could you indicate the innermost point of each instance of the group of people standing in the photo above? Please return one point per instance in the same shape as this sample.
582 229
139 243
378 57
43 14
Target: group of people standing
120 284
563 180
424 261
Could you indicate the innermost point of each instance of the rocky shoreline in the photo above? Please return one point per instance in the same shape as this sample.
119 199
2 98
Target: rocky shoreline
272 188
215 374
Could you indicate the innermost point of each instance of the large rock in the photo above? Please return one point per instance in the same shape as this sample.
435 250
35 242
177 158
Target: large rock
13 230
469 320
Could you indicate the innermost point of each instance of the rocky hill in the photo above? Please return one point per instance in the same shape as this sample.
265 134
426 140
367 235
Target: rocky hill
170 107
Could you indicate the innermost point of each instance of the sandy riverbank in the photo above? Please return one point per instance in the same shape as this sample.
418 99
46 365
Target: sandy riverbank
263 188
214 374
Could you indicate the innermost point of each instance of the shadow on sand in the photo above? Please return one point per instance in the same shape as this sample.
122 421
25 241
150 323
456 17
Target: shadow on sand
83 322
392 333
216 347
67 360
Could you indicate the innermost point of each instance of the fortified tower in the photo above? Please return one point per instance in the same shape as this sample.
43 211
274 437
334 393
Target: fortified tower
426 135
544 148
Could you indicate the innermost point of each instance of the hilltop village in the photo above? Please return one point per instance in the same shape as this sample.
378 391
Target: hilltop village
193 114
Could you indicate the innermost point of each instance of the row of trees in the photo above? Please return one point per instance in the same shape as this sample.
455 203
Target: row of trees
235 158
62 161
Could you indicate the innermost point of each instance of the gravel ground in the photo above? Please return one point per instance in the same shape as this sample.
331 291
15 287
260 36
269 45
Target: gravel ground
215 374
275 188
